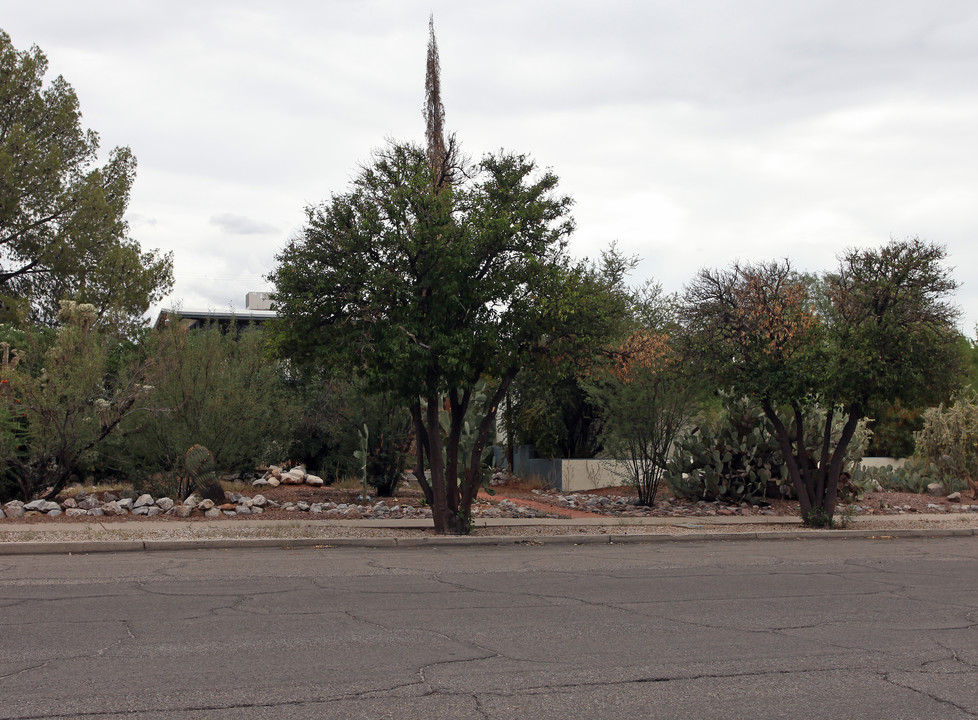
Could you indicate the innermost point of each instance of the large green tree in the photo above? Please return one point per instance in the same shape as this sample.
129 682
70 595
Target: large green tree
549 405
879 328
62 227
427 290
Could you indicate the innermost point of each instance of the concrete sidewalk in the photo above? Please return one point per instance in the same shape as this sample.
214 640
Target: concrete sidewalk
148 535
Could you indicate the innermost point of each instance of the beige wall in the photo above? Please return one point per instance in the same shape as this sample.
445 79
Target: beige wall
578 475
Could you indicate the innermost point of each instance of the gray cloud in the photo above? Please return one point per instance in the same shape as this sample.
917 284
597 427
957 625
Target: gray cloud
241 225
693 132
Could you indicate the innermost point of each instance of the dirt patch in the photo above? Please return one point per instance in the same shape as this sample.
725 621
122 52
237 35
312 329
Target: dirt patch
874 503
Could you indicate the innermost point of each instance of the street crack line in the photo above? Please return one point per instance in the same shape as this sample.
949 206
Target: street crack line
939 700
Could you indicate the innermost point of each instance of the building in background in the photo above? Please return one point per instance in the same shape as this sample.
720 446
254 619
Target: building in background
258 309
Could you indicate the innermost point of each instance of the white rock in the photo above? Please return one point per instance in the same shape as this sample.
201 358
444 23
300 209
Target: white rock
125 503
192 500
293 478
274 482
164 504
55 513
142 510
69 503
205 505
49 507
259 501
260 482
181 511
96 512
153 510
14 506
143 500
242 510
33 505
75 512
213 512
314 480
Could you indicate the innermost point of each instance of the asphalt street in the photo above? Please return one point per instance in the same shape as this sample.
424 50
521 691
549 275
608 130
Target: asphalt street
884 628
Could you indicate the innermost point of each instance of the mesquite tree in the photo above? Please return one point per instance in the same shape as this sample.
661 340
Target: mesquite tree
427 292
879 328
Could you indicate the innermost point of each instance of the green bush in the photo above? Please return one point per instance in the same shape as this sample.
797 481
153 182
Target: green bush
215 390
62 397
893 429
391 431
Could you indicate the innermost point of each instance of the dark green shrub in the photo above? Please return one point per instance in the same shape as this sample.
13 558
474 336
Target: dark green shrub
893 427
217 390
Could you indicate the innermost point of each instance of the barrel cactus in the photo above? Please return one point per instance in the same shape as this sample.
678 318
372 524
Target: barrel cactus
200 474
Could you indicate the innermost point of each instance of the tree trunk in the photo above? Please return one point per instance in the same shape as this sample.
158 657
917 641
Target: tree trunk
805 499
838 458
443 518
421 449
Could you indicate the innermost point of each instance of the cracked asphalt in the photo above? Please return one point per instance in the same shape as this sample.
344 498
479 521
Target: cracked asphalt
736 629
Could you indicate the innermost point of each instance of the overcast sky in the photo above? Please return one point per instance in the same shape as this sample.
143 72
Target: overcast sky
694 133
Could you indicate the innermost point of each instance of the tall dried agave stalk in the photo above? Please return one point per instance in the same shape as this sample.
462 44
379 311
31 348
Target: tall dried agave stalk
442 153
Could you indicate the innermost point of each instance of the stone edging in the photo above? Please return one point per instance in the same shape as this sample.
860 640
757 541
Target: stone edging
115 546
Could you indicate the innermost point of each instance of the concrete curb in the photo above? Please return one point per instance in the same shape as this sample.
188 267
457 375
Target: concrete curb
80 547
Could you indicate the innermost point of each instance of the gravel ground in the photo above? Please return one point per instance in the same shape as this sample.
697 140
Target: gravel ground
876 512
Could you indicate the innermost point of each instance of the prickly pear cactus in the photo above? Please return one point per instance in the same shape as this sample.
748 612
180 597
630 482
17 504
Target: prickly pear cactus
732 458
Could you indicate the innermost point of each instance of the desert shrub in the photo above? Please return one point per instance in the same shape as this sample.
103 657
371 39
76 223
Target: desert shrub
332 416
390 432
62 397
216 390
647 398
893 427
